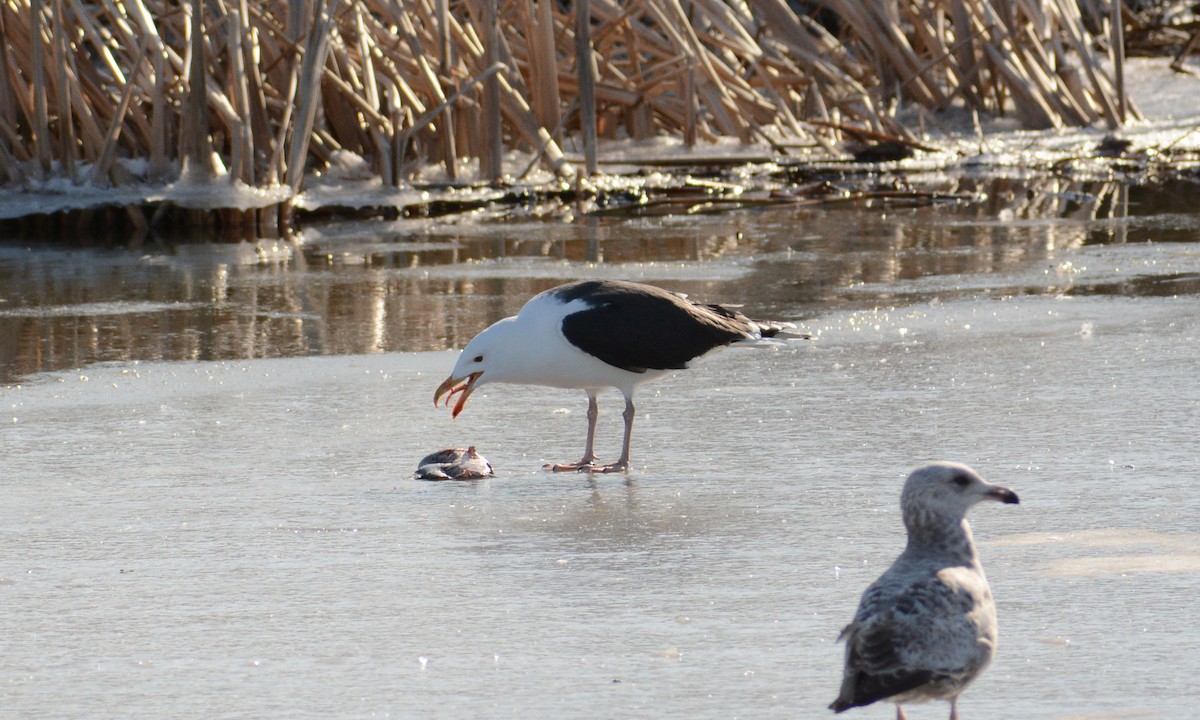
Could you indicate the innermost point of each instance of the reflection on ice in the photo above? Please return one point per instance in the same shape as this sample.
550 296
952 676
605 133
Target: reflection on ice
434 285
1139 270
560 270
94 309
1142 551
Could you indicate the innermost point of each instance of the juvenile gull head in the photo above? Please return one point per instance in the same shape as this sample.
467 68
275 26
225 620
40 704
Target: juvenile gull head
935 501
927 627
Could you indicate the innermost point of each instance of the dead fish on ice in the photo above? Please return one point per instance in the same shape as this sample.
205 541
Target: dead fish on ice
454 464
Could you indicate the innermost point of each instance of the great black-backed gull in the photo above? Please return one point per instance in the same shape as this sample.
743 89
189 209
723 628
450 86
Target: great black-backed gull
927 627
594 334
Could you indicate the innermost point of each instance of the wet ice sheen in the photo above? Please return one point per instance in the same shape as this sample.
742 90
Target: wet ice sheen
242 538
355 287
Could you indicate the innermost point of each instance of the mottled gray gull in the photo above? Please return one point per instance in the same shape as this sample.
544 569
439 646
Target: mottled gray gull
927 627
594 334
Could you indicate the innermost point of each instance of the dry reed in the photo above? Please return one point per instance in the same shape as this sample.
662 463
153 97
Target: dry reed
273 90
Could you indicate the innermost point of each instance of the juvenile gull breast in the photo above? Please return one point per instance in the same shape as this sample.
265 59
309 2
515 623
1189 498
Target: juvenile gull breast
927 627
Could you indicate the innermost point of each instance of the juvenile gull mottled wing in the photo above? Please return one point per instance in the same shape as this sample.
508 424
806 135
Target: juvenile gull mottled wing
929 633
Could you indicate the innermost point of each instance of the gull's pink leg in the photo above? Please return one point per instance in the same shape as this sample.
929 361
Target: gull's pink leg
622 463
589 450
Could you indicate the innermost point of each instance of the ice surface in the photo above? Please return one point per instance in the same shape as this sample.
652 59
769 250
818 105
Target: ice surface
174 531
229 535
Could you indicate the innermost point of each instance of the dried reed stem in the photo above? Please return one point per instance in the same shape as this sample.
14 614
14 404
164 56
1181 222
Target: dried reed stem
585 67
273 88
491 152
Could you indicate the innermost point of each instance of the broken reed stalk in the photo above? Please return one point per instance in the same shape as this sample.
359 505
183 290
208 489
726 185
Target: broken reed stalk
100 173
491 154
543 61
585 66
1118 51
64 83
445 61
41 129
308 81
242 81
274 88
197 153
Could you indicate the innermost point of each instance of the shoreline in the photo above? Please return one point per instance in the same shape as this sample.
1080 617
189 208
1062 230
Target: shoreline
641 178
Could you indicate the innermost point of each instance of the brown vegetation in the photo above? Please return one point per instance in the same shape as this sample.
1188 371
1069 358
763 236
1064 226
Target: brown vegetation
88 85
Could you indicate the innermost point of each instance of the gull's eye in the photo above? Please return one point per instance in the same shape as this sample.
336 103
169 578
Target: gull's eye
478 358
961 480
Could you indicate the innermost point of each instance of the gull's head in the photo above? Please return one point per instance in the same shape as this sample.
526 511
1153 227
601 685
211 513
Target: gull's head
485 359
948 490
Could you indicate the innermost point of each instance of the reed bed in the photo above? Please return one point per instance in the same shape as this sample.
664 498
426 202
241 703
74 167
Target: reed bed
267 93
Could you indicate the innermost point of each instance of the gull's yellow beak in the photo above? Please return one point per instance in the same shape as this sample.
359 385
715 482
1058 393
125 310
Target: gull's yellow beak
454 386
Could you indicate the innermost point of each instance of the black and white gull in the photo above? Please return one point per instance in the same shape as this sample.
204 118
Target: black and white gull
927 627
594 334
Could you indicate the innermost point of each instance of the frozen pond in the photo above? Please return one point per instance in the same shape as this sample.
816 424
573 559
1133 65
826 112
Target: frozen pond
208 508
